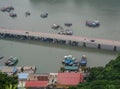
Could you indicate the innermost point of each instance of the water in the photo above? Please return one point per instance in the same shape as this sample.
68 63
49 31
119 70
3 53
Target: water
47 57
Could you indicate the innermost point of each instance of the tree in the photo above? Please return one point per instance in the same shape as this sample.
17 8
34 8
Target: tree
107 77
8 82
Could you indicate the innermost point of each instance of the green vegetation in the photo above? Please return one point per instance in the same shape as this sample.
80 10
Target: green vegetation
62 69
107 77
8 82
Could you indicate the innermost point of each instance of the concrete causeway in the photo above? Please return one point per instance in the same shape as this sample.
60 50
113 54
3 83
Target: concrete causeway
61 39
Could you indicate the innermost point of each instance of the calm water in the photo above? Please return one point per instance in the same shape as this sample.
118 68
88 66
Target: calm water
47 57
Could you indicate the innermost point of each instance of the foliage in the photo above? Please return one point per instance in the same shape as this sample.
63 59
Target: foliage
107 77
62 69
8 82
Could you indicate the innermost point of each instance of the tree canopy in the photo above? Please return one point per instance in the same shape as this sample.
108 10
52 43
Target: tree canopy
8 82
107 77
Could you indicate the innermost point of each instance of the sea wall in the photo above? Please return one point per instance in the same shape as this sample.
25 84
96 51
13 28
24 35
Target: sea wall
61 39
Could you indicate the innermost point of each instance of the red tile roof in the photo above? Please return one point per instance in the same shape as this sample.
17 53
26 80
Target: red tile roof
69 78
36 83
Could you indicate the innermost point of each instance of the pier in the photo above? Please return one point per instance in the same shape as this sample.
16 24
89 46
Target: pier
61 39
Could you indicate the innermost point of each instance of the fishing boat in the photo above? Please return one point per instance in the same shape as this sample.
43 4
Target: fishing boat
44 15
11 61
7 8
27 13
66 32
95 23
12 14
83 61
68 24
55 26
68 60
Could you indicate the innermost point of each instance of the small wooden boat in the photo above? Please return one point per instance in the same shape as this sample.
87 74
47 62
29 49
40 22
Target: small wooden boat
44 15
68 24
7 9
55 26
27 13
66 32
13 14
11 61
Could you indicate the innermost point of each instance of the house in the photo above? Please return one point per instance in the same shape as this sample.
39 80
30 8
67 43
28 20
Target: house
21 84
36 84
8 70
67 79
29 69
22 76
52 78
40 77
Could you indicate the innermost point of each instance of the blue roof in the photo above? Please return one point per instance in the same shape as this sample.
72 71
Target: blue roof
23 75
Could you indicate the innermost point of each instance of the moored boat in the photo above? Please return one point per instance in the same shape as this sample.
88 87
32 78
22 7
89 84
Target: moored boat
7 8
27 13
11 61
68 60
66 32
68 24
95 23
55 26
13 14
44 15
83 61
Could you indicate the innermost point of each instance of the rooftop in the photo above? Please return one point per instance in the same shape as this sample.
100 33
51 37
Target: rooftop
70 78
36 83
23 76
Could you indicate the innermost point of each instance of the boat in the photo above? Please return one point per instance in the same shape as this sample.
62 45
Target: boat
55 26
68 24
2 35
7 9
27 13
13 14
68 60
95 23
44 15
11 61
66 32
83 61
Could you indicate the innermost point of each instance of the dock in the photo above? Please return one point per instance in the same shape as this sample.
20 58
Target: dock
79 41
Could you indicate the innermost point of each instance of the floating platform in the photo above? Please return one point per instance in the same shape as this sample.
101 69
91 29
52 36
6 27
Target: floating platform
79 41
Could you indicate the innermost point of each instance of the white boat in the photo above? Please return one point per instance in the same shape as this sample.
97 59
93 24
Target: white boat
11 61
55 26
95 23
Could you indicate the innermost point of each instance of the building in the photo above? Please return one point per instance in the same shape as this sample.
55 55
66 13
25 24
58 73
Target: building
23 76
67 79
36 84
8 70
40 77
